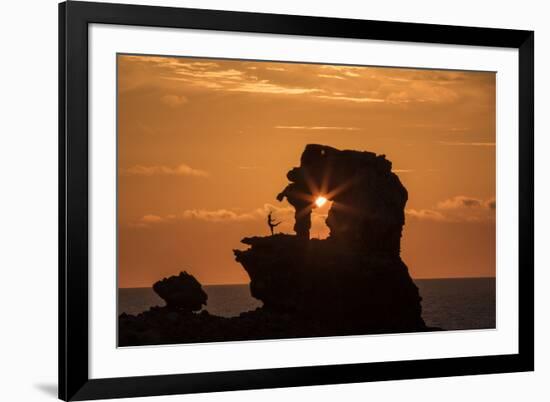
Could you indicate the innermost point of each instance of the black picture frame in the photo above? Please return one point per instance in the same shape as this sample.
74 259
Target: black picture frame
74 18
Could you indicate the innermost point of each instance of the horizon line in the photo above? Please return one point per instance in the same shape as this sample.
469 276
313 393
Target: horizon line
247 283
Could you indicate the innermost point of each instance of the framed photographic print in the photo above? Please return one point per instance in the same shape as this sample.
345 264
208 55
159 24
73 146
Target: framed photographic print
257 200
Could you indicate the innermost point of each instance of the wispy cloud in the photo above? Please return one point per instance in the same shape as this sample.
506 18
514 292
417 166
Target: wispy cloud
230 215
332 76
204 215
152 219
458 209
351 74
189 70
267 87
468 144
426 214
225 216
399 79
460 202
219 215
341 68
351 99
195 82
147 220
174 101
317 128
356 84
180 170
282 213
213 76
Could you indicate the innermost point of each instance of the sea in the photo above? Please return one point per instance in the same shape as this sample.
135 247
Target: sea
450 304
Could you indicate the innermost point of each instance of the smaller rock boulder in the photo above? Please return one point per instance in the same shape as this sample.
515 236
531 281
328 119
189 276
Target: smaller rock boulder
182 292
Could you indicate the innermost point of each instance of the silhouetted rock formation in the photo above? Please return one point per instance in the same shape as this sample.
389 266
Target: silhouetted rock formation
353 282
300 200
182 292
343 290
369 200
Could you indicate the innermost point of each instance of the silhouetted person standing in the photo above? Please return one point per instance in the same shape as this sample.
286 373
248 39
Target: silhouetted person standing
272 225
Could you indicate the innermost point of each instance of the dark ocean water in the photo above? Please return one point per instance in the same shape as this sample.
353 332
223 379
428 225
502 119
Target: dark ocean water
451 304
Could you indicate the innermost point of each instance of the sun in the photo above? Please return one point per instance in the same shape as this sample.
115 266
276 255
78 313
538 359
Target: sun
320 201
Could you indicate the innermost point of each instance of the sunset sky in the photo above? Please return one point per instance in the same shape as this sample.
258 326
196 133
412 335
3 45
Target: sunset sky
204 146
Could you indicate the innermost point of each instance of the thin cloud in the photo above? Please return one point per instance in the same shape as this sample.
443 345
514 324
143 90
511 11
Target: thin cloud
458 209
267 87
223 216
341 68
180 170
393 86
420 92
228 74
398 79
152 219
174 101
317 128
331 76
426 214
460 202
351 99
219 215
468 144
210 76
146 221
196 82
351 74
201 64
281 213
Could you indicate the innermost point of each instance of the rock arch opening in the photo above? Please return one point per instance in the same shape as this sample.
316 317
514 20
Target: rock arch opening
368 199
319 215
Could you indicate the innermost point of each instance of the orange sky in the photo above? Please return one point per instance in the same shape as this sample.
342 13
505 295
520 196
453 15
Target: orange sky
204 146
